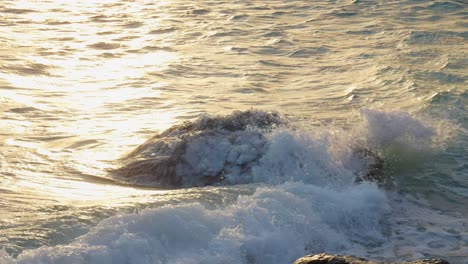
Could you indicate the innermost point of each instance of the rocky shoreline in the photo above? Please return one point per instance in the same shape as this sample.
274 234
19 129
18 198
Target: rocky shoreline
337 259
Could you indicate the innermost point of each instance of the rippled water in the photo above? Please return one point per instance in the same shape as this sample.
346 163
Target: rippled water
83 82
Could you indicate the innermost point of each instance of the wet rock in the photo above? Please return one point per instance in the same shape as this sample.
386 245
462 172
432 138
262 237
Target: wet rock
336 259
371 166
201 152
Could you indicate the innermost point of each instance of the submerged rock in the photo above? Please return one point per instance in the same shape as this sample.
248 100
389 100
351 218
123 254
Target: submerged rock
336 259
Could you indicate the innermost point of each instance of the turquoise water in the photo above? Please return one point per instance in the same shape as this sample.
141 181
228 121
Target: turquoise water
83 83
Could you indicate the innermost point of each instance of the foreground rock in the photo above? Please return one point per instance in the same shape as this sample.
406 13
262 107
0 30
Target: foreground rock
336 259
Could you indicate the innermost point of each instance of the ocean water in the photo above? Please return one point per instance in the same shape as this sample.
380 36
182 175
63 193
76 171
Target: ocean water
84 82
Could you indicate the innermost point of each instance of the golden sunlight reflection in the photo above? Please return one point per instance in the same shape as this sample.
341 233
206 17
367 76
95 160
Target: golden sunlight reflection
89 100
92 157
86 84
154 120
76 75
86 193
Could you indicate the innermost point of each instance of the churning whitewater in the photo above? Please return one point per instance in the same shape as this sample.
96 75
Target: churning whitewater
297 193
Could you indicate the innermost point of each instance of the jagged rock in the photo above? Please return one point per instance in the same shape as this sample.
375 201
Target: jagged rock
201 152
336 259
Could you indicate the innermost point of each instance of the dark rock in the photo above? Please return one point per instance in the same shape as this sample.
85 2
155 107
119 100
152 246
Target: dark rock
372 166
167 159
336 259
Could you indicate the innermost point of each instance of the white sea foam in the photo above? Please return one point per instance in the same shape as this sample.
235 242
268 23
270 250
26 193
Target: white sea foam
274 225
298 156
277 157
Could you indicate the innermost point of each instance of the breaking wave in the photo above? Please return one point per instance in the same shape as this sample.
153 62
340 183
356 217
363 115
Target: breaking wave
262 147
304 194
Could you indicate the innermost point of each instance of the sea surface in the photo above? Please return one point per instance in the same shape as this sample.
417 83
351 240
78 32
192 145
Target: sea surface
84 82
